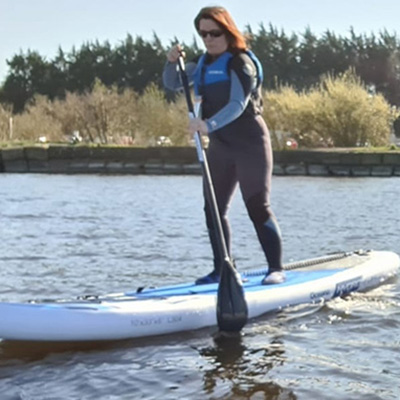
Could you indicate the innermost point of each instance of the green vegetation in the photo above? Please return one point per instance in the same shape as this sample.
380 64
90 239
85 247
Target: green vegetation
113 95
103 115
297 60
337 112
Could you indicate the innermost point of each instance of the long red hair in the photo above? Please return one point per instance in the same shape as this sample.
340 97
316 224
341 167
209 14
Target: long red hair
236 40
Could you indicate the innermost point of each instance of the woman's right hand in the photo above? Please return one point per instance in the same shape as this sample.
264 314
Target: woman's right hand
174 53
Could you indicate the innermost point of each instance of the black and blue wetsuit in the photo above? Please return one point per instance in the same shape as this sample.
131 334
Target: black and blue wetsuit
239 150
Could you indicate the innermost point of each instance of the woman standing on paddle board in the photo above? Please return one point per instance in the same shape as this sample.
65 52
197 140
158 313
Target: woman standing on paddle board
228 78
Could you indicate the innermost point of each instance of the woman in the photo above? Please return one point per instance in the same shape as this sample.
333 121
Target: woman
228 78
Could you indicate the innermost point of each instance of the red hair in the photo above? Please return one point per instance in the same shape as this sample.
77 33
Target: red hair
224 20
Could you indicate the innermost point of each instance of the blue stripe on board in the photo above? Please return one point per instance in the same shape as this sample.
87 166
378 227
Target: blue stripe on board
251 284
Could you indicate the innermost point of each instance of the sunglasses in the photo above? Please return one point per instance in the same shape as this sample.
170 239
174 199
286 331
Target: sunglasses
215 33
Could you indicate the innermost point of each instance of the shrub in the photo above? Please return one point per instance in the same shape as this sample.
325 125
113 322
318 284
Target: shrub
350 116
338 112
103 115
289 113
158 117
37 121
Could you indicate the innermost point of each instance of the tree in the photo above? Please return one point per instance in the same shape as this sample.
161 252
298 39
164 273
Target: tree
278 55
28 76
135 63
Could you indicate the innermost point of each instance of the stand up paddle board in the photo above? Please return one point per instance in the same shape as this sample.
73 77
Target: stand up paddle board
157 311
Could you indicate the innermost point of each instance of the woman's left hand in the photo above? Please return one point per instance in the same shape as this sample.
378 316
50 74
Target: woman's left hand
198 125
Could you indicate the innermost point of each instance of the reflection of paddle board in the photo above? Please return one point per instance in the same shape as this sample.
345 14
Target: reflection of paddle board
148 312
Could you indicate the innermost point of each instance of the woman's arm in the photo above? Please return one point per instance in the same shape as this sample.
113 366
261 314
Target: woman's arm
171 77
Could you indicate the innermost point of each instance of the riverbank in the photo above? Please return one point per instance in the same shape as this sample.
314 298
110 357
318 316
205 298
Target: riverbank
67 159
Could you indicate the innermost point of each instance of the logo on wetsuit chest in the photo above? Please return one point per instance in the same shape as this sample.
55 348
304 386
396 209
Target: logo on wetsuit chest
209 74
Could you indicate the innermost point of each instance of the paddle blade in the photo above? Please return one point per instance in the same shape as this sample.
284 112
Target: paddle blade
232 309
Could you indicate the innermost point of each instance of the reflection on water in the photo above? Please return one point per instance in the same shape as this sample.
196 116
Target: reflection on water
246 369
67 236
26 351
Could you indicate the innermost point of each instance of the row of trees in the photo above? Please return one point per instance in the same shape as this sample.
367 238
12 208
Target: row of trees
288 59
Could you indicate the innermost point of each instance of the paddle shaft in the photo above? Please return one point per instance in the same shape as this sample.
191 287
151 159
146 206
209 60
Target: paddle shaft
201 155
232 310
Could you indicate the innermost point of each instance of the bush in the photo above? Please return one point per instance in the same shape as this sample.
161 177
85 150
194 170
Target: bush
338 112
103 115
157 117
289 113
37 121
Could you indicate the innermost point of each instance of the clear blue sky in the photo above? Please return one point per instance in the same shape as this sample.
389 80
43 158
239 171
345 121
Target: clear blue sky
44 25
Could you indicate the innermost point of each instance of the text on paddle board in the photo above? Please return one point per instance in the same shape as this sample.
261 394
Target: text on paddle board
156 320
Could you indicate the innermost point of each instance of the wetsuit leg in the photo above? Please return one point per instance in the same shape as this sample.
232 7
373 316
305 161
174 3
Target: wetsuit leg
223 174
254 173
267 229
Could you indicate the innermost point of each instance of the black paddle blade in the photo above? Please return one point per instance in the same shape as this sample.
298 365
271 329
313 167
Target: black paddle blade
232 309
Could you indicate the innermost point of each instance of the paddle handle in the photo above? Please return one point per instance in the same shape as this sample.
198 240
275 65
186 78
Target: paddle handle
201 155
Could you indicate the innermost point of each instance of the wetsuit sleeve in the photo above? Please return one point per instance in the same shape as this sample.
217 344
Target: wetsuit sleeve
243 78
171 77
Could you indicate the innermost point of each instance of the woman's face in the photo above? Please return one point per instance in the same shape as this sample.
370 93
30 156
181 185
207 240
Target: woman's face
213 36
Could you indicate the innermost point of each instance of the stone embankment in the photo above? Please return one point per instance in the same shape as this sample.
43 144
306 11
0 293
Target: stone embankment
183 160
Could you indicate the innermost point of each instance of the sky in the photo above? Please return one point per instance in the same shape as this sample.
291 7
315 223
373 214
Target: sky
46 25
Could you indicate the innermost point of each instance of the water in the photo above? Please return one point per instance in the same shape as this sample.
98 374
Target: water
65 236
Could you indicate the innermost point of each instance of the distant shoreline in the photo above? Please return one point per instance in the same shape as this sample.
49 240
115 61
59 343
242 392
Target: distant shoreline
67 159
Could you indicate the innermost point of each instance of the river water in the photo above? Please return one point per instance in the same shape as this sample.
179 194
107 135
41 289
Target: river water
64 236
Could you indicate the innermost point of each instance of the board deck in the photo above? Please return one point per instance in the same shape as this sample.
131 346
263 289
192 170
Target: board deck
252 283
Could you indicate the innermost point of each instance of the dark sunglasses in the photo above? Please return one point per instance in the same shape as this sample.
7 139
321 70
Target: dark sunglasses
213 33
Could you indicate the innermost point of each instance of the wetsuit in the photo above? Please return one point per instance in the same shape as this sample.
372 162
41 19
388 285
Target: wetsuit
239 150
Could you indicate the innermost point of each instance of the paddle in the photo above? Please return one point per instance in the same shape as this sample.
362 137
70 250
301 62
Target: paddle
232 309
